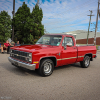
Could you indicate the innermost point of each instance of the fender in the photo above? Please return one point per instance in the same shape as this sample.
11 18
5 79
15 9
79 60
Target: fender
55 63
89 54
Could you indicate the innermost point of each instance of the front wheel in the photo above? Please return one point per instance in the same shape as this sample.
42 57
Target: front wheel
46 67
86 62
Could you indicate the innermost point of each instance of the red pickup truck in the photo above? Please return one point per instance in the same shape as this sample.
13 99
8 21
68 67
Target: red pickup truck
51 51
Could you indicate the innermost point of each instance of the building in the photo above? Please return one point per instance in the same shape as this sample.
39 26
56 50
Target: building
81 37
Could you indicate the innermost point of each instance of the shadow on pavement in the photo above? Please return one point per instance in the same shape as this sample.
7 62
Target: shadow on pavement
68 66
76 65
17 70
24 72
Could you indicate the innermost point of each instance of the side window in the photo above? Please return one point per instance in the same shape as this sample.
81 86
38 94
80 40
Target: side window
68 41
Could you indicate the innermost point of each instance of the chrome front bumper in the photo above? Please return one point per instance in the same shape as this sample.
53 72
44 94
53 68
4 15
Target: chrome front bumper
22 64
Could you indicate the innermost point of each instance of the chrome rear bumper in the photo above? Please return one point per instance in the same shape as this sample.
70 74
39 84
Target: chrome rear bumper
22 64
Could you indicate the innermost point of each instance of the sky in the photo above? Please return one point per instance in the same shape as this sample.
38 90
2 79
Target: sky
60 15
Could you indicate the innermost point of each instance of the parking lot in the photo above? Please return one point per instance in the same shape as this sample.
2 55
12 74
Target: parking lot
70 82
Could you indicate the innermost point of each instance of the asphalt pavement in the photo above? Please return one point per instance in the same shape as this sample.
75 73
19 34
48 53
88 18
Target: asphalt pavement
70 82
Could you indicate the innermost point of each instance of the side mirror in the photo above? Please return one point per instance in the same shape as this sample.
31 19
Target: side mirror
65 46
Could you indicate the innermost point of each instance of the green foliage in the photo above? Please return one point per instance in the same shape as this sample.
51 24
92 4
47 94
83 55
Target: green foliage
37 14
20 21
5 26
28 26
97 46
38 28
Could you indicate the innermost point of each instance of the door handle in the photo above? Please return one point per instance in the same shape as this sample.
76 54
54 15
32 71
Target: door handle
58 54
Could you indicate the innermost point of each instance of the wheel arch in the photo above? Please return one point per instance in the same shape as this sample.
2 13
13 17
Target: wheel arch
90 55
49 57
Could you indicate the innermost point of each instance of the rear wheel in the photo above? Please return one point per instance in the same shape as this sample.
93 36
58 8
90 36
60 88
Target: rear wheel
46 67
86 62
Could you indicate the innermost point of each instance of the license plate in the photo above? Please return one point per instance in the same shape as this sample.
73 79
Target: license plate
16 63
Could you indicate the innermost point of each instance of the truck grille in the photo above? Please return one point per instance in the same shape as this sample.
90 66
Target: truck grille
20 55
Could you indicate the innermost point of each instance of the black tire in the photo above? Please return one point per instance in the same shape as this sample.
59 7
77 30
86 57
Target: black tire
86 62
46 67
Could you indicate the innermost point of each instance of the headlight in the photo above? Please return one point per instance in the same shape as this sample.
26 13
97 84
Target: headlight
30 55
30 59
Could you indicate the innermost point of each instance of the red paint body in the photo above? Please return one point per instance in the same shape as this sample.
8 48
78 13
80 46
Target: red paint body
70 55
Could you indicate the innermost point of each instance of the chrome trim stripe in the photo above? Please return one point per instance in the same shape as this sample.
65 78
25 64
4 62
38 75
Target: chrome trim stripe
80 56
66 58
71 57
59 59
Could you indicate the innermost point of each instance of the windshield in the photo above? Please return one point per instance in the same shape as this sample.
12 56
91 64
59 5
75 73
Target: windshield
50 40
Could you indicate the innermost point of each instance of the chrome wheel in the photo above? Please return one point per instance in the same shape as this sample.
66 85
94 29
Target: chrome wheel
87 61
47 67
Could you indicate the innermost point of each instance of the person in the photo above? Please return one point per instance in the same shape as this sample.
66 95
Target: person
7 46
1 47
11 45
17 44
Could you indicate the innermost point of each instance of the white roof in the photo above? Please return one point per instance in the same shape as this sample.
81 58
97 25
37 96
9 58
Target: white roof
83 34
80 34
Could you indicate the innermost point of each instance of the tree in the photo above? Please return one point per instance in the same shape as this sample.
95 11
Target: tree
28 26
19 22
38 29
5 26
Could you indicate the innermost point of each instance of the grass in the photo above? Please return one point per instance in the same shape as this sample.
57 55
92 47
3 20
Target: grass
97 46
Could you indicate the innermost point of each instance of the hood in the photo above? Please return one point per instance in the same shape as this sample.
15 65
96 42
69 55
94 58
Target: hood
31 48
